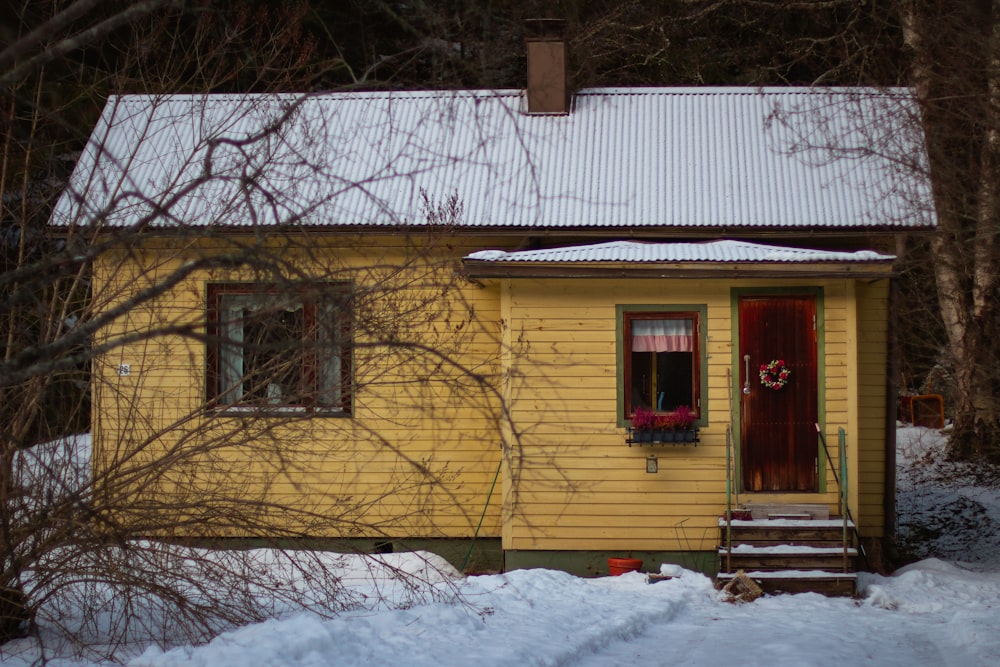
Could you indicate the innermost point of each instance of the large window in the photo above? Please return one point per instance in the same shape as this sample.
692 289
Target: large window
279 348
661 361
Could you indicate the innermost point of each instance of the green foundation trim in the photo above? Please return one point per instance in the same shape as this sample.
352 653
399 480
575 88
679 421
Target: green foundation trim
595 563
484 556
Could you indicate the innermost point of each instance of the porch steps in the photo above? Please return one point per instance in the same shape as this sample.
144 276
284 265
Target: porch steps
790 555
831 584
787 511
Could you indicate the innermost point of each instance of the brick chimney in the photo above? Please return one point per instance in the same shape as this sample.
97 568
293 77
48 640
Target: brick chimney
546 50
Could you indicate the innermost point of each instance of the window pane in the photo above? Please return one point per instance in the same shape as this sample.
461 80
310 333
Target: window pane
674 380
642 381
261 351
329 355
283 349
661 370
272 355
669 388
231 350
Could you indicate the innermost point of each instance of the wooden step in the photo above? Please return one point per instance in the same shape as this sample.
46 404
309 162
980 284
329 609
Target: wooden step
791 554
778 510
787 557
765 532
835 584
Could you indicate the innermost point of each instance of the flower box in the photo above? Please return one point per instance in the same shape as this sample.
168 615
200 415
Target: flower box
651 437
674 427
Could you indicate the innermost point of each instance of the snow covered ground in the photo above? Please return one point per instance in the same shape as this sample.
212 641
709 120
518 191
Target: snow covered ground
941 610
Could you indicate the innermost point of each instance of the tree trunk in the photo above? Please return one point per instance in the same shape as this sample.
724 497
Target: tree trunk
13 613
13 603
960 115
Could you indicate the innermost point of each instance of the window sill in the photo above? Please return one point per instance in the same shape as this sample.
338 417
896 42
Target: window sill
276 411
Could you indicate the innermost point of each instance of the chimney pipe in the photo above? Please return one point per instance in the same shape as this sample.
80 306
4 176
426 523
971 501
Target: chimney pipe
548 92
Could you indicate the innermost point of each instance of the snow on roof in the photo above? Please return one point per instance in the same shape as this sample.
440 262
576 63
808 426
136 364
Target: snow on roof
710 251
623 158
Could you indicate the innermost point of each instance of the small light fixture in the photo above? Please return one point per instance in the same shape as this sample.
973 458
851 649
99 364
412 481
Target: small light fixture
651 464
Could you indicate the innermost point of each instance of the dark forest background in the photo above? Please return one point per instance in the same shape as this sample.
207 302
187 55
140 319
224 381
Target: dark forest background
61 59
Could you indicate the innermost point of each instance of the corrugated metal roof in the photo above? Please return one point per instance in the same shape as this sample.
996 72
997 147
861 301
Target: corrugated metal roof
643 157
710 251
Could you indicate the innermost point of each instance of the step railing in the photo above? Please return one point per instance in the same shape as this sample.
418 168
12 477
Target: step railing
840 475
840 478
849 527
729 470
729 498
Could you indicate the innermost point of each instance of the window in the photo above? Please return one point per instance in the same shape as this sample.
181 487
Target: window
283 348
661 360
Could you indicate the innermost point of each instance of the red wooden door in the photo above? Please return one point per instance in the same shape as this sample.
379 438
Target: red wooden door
777 425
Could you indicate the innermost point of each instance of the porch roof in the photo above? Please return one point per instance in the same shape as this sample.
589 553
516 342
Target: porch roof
680 259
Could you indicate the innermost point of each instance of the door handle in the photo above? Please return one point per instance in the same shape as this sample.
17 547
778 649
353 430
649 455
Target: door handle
746 381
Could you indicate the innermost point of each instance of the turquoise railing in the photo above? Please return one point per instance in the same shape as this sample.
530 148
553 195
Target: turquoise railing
840 477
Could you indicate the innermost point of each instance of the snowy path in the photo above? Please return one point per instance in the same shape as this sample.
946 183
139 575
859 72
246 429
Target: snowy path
790 631
934 615
931 614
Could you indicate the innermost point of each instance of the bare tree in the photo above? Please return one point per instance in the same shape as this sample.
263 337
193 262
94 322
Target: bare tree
298 325
948 53
955 69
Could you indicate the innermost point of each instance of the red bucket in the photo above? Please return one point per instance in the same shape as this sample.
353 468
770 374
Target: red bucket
618 566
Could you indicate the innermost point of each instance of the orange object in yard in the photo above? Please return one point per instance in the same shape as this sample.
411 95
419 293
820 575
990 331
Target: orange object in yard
927 410
618 566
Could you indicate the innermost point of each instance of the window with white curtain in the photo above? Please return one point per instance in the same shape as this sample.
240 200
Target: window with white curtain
279 347
662 360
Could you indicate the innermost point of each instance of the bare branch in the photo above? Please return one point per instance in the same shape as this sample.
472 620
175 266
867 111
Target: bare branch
99 31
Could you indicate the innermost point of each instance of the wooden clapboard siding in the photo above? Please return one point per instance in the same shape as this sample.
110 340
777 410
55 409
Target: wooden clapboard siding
574 466
596 494
873 350
547 346
329 465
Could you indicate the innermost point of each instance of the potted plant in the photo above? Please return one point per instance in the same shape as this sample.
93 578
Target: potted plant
621 565
643 422
684 419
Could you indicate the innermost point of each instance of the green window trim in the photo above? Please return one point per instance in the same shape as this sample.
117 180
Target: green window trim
282 349
699 312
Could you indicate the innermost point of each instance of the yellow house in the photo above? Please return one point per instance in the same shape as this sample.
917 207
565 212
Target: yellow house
428 319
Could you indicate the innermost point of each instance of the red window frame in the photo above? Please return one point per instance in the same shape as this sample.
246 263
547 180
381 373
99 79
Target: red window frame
309 298
696 357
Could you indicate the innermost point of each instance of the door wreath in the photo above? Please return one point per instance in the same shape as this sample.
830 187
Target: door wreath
774 374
